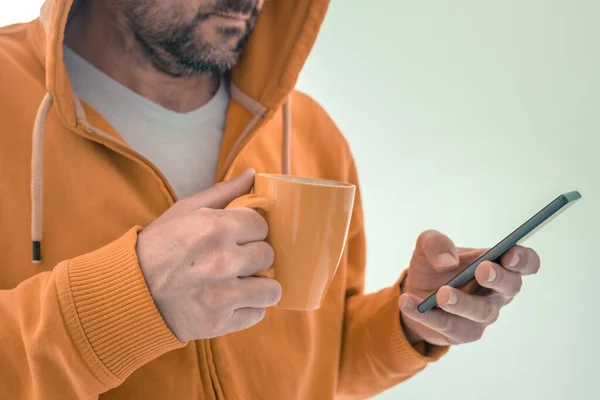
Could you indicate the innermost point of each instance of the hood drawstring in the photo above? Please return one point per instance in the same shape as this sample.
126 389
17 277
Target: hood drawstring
37 166
287 137
37 169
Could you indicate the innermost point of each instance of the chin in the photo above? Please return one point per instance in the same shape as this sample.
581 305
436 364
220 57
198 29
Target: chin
221 59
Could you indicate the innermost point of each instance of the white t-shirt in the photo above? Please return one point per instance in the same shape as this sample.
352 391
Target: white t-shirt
183 146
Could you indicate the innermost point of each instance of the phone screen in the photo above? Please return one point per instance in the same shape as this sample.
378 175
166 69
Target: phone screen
518 236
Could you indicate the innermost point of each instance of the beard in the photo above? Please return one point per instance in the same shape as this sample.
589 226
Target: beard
180 46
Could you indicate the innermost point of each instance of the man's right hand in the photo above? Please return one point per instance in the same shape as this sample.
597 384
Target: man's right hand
198 260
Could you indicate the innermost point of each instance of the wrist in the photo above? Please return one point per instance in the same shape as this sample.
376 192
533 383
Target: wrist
411 335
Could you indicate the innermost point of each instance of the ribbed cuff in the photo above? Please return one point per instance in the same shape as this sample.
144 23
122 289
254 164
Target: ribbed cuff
393 346
109 311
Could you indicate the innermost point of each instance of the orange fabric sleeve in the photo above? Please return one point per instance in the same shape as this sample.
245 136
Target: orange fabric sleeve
81 329
375 352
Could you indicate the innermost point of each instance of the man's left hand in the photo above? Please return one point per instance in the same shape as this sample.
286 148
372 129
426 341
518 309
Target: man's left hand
461 317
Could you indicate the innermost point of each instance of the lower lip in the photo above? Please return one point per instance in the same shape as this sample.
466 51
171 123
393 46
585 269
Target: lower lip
230 18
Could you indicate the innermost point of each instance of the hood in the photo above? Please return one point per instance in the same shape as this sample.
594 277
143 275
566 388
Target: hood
265 74
261 81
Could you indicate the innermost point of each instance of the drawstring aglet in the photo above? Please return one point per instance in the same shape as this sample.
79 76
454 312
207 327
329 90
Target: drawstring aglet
37 252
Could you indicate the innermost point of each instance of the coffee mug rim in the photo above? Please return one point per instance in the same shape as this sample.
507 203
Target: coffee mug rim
307 181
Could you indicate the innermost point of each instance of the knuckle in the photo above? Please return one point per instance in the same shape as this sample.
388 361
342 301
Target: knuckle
274 292
518 285
222 220
256 222
264 292
479 333
496 316
230 263
490 313
224 316
425 236
475 334
220 263
258 315
222 324
218 220
428 233
212 299
446 325
261 224
267 255
452 341
249 317
533 259
259 257
536 266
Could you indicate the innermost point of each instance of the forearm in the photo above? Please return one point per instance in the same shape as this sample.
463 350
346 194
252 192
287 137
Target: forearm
376 353
37 358
79 330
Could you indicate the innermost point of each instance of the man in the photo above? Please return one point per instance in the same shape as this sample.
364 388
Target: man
118 118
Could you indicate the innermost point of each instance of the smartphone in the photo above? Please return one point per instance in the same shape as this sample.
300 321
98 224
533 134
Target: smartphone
518 236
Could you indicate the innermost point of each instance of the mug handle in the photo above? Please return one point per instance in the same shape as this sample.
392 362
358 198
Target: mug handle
259 203
251 200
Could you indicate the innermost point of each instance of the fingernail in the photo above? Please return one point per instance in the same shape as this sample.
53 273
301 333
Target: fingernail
249 171
452 300
446 260
407 302
515 260
492 275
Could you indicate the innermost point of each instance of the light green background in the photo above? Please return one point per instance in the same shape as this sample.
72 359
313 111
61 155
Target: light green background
467 117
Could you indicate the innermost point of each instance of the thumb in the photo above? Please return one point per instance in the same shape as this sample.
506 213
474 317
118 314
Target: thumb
439 251
223 193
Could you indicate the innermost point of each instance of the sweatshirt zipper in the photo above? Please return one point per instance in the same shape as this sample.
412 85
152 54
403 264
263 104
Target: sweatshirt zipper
103 138
111 143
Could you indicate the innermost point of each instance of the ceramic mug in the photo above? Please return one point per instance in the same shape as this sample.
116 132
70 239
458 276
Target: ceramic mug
308 223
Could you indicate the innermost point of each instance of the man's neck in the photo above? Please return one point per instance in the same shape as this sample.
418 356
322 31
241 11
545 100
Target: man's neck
102 38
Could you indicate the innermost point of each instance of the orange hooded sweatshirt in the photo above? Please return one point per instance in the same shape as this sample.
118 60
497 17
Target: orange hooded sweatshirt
81 324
